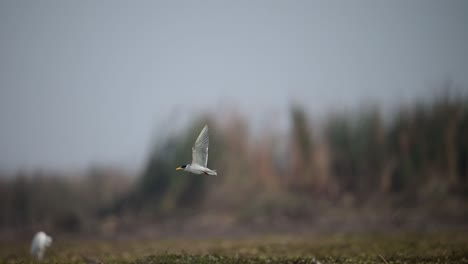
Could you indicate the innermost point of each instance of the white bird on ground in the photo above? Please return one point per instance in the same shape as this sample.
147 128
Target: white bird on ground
39 244
199 155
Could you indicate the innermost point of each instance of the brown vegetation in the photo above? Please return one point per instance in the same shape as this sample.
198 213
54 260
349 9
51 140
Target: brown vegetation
356 168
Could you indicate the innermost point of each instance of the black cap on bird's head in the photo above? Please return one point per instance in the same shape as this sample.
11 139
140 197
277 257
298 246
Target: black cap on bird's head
181 167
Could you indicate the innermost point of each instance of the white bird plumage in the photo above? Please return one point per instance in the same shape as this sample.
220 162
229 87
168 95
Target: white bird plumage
200 155
39 244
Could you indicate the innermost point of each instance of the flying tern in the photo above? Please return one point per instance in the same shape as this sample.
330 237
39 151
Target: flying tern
199 156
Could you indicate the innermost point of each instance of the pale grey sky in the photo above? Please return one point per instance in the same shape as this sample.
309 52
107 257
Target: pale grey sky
84 82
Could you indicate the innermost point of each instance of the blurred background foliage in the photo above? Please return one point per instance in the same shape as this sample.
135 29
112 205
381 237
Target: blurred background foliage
415 158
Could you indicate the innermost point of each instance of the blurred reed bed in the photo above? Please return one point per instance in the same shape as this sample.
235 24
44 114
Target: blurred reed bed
359 169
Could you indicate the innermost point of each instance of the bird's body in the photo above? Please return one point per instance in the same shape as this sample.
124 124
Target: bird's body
200 156
197 169
39 244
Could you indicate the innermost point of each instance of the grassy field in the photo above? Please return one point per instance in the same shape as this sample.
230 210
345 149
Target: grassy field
451 247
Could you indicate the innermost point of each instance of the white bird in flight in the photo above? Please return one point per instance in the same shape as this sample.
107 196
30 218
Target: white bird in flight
199 155
39 244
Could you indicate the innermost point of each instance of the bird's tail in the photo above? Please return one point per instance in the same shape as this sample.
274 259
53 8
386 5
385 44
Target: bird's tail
212 172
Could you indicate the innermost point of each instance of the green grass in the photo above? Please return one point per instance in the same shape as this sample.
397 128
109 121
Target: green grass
451 247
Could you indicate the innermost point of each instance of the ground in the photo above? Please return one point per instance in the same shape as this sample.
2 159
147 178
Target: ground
433 247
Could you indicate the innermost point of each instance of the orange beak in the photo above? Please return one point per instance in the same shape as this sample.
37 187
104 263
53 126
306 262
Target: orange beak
179 168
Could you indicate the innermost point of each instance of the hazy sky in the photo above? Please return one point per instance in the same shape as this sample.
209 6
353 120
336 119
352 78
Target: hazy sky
90 81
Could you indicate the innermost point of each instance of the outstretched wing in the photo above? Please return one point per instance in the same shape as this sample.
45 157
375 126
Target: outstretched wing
200 148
